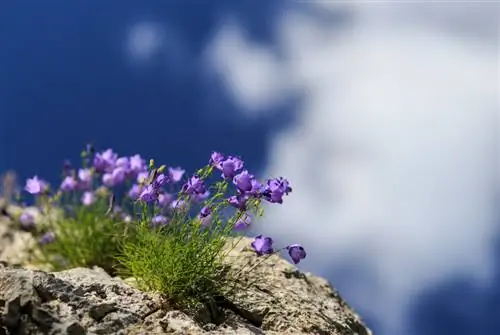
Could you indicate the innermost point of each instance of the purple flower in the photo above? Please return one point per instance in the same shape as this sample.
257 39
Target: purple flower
230 167
88 198
105 161
142 177
36 186
47 238
27 220
216 159
119 175
243 222
69 183
137 164
205 216
159 220
148 194
194 186
243 181
262 245
239 201
296 252
115 177
276 189
164 199
135 192
107 179
123 162
160 180
67 167
85 175
201 197
175 174
178 204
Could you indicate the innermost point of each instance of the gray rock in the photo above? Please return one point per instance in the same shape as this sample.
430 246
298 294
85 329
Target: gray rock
88 301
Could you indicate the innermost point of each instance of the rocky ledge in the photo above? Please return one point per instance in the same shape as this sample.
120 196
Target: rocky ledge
281 300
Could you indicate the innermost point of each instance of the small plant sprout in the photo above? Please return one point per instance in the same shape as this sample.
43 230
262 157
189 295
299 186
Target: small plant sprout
167 229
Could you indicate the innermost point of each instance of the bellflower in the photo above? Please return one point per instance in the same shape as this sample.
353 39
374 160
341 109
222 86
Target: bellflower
296 252
148 194
244 181
178 204
36 186
88 198
175 174
85 177
216 159
164 199
105 161
107 179
159 220
69 183
201 197
205 216
239 201
123 162
47 238
160 181
262 245
194 186
243 222
119 174
137 164
142 177
27 220
276 189
230 167
135 192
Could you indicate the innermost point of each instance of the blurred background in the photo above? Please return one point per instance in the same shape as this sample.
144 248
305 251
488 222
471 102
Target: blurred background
384 115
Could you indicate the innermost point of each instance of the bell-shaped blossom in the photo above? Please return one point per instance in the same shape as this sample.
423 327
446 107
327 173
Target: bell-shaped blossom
239 201
88 198
85 178
134 192
137 164
142 177
164 199
262 245
205 216
230 167
159 220
148 194
194 186
275 190
68 184
216 159
105 161
244 181
296 252
47 238
160 180
175 174
36 185
27 220
242 223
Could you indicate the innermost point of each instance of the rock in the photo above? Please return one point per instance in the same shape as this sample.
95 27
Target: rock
88 301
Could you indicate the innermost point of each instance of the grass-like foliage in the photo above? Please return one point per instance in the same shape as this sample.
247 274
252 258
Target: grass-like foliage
168 232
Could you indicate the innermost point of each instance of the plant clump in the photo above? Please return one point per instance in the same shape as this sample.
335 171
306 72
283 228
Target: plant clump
153 223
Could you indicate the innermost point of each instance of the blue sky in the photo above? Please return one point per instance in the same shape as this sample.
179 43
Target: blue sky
366 108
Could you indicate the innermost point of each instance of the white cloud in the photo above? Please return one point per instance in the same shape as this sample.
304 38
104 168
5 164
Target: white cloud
252 73
144 40
393 159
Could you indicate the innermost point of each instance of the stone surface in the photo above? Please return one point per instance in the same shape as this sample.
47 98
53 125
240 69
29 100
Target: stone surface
271 297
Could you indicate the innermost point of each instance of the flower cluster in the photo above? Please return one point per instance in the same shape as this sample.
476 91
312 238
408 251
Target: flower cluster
135 182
